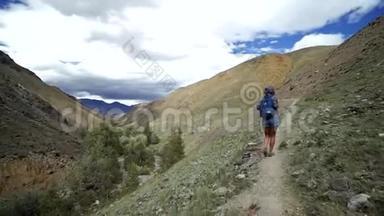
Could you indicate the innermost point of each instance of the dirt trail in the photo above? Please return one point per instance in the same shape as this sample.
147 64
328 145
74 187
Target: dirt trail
270 195
274 197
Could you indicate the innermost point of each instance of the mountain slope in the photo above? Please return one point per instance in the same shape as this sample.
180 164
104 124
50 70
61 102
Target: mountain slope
54 96
239 87
338 146
272 69
34 145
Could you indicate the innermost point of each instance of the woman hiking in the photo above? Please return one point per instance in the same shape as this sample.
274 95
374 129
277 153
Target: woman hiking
268 108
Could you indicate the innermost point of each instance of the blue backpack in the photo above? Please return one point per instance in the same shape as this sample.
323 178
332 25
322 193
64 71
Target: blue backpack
267 107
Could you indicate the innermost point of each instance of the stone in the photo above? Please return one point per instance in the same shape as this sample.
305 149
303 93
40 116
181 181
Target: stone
283 145
340 184
240 176
381 134
337 196
312 156
297 173
359 201
311 184
221 191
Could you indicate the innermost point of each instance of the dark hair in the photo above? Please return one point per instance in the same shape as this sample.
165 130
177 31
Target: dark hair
269 90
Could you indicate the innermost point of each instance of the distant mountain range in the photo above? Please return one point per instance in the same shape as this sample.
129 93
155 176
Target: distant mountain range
104 108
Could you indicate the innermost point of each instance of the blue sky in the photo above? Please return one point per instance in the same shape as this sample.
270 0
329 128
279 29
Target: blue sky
95 48
281 43
5 3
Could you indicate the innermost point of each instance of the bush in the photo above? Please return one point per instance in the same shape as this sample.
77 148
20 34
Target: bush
98 171
152 138
103 142
132 180
130 130
51 203
99 174
173 151
93 177
24 204
203 203
37 203
136 152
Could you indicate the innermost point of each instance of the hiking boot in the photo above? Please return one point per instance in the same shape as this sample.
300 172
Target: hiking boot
265 153
271 154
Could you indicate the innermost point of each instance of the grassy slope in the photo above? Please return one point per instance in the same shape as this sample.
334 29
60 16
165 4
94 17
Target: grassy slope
338 149
181 189
307 56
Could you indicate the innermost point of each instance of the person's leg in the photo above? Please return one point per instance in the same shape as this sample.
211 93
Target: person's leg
266 140
272 139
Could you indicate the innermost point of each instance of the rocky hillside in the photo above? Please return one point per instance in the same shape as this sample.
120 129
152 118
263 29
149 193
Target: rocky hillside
33 140
337 159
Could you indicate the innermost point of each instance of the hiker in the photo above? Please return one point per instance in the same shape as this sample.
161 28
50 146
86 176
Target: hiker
268 108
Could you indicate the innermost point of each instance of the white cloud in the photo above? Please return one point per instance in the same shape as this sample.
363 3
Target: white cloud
273 42
318 40
191 40
361 10
266 49
95 8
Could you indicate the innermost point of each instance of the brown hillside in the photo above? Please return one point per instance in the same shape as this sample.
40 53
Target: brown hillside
227 86
34 145
272 69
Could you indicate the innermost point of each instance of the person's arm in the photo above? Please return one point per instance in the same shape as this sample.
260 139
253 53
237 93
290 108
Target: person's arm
275 103
258 107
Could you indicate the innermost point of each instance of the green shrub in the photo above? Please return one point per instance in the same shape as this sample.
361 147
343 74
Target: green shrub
152 138
204 203
136 152
132 180
98 171
103 142
51 203
23 204
173 151
93 177
130 130
37 203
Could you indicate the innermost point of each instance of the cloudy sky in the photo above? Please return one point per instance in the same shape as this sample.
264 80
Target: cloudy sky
139 50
